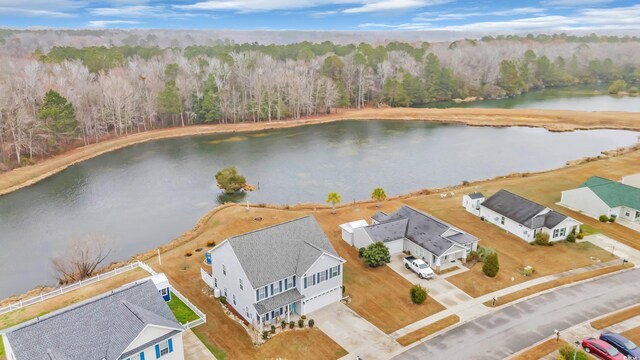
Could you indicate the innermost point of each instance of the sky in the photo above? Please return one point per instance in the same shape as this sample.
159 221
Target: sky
450 15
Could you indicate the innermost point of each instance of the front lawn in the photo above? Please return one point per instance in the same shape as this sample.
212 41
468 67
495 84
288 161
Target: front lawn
182 312
1 348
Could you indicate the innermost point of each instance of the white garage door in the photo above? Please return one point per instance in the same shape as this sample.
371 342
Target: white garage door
395 246
321 300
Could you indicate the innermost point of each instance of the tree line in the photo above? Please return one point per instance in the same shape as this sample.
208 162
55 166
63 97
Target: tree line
72 96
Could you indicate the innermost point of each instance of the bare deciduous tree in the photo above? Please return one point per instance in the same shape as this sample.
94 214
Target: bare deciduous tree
81 258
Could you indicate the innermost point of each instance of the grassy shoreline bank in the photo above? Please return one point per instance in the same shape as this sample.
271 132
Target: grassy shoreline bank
552 120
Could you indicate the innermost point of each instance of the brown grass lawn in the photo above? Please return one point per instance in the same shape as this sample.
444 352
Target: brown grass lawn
633 335
615 318
555 283
21 315
428 330
541 350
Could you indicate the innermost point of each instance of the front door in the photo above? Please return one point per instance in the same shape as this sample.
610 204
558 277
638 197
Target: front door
292 307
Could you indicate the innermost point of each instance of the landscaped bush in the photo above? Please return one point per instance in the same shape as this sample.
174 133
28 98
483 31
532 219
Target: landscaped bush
211 243
265 335
376 254
300 323
612 219
361 251
343 289
567 353
528 271
311 323
292 324
483 251
542 239
223 299
303 317
473 255
188 253
580 236
418 294
283 324
571 237
491 265
603 218
273 329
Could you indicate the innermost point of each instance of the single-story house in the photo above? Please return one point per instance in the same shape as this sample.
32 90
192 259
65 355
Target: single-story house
599 196
269 274
471 202
132 322
525 218
631 180
425 236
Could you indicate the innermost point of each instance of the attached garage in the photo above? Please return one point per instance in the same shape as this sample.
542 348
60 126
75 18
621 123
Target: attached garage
395 246
321 300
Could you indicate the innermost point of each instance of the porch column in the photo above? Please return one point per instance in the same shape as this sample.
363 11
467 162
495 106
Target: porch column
288 313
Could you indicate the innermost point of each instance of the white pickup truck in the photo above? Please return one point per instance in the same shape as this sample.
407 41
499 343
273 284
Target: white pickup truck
419 267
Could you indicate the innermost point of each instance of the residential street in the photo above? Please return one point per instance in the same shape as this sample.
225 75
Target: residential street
508 330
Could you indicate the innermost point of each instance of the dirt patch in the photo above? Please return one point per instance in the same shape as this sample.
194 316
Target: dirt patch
428 330
541 350
633 335
616 318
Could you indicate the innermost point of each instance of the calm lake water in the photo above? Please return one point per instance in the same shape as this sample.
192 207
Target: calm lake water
583 98
148 194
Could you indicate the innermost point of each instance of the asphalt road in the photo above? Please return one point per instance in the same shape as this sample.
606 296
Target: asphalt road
509 330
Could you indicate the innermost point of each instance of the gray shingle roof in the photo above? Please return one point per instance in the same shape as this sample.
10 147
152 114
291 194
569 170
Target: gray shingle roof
522 210
96 329
380 216
476 196
281 250
423 229
275 302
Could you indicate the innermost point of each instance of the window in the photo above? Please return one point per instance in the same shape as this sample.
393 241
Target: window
224 270
290 283
261 293
322 276
555 233
137 357
241 284
335 271
277 287
502 220
563 231
215 282
163 348
308 281
164 292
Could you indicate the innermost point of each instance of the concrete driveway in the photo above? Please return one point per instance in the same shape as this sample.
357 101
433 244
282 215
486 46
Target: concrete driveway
194 349
506 331
353 333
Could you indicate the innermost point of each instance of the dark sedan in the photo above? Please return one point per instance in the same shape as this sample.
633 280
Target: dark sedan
624 345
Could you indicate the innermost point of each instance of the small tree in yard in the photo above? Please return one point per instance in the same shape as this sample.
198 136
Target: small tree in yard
491 265
572 236
603 218
418 294
569 353
376 254
333 198
378 195
542 238
229 180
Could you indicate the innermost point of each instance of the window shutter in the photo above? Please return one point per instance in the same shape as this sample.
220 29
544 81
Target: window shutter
314 278
257 295
294 281
142 355
272 289
280 283
286 284
266 291
338 269
170 345
326 274
305 283
157 351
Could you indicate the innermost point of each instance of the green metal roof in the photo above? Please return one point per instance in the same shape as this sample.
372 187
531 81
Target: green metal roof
613 193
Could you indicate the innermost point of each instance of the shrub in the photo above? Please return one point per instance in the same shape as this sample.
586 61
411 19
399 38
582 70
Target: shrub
571 237
265 335
528 271
273 329
465 183
612 219
580 236
230 180
418 294
300 323
343 289
483 251
376 254
311 323
361 251
188 253
567 352
292 324
211 243
303 317
542 239
633 90
473 255
491 265
283 324
603 218
223 299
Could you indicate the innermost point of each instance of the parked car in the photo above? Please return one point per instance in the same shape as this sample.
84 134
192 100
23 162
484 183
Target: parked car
601 349
419 267
624 345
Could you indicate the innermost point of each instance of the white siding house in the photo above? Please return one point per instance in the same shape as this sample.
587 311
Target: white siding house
130 323
424 236
471 203
273 273
632 180
599 196
525 218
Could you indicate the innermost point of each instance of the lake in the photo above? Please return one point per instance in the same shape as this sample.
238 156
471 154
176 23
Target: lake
582 98
148 194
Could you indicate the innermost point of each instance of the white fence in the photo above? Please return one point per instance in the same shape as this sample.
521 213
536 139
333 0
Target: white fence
194 323
65 289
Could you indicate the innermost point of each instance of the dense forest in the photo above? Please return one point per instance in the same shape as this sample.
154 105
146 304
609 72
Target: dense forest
65 96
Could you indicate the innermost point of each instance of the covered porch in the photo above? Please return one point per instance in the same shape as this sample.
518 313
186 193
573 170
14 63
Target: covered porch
284 306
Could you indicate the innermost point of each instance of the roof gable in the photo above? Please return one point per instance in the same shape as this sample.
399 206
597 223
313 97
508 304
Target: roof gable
613 193
514 207
100 328
275 252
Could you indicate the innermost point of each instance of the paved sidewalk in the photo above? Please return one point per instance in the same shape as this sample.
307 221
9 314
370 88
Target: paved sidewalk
194 349
619 249
354 333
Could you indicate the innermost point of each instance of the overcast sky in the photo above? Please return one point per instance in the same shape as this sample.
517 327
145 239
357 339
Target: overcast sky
481 16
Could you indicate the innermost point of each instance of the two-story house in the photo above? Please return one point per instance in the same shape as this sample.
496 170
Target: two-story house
269 274
129 323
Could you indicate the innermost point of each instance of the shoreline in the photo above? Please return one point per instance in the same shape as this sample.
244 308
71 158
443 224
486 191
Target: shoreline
551 120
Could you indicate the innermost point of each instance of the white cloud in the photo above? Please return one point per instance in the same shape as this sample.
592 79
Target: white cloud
571 3
448 16
42 8
260 5
105 23
29 12
321 14
393 5
140 11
